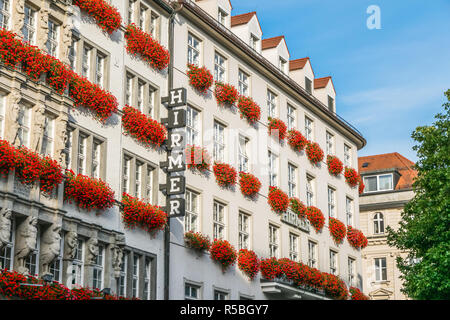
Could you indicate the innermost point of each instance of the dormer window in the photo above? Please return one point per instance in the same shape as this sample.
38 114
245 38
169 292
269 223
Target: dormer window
282 64
254 42
308 85
330 104
382 182
222 17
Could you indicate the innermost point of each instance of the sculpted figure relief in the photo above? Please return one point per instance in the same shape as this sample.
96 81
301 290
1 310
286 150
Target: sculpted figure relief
50 247
70 245
92 250
13 118
117 260
5 226
38 128
18 24
26 243
43 25
61 140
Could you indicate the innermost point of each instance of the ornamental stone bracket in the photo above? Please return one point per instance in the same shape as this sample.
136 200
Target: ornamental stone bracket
117 254
50 247
26 239
5 226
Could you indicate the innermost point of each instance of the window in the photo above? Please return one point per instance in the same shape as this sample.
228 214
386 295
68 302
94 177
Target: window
86 61
309 129
330 143
138 180
192 126
347 155
97 279
243 155
192 211
219 142
193 50
351 271
243 83
282 65
82 150
23 133
135 276
380 269
273 241
4 14
218 220
72 55
96 158
47 137
149 184
126 174
100 69
129 90
378 183
151 101
292 180
220 295
140 94
310 191
52 38
273 169
137 177
131 4
78 265
349 210
291 117
271 104
312 254
123 276
219 67
254 42
222 16
7 252
29 25
330 104
191 292
331 202
147 275
333 262
308 85
293 247
2 113
244 231
378 223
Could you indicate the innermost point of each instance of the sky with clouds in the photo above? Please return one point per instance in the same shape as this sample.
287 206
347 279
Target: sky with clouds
388 81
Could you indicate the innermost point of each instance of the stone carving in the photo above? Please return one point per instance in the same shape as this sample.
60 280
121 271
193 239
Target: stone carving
70 245
92 250
13 118
43 26
19 17
5 226
26 242
66 38
38 128
61 140
50 247
117 260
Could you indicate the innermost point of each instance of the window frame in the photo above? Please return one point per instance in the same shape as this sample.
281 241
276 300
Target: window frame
292 180
331 192
294 253
220 68
194 54
273 169
30 27
366 190
380 270
312 254
243 83
274 240
378 223
192 217
244 229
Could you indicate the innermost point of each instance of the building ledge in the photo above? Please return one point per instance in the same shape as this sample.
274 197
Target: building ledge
281 289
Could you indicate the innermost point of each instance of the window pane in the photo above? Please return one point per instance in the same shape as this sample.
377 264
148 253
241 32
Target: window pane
385 182
371 183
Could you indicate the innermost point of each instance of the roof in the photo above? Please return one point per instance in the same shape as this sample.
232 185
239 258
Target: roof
320 83
298 63
242 18
229 1
271 42
390 161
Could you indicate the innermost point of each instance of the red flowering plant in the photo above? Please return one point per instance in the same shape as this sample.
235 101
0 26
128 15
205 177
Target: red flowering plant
84 93
87 193
222 251
28 166
356 294
351 176
143 127
34 63
137 213
270 268
199 77
277 125
248 263
337 230
197 158
11 49
335 165
250 185
297 207
334 287
315 217
314 152
225 174
290 270
51 175
296 140
361 185
7 157
226 94
278 200
58 75
249 109
106 15
142 44
197 241
356 238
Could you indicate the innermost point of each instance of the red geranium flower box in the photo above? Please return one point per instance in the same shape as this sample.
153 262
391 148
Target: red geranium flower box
137 213
356 294
335 165
226 94
298 207
248 263
7 158
222 251
225 174
270 268
197 158
337 230
315 217
197 241
314 152
106 15
361 186
334 287
250 185
296 140
199 77
356 238
278 200
51 175
249 109
277 124
351 176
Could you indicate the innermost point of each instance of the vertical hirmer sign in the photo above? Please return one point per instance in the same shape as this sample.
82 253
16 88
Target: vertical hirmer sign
175 185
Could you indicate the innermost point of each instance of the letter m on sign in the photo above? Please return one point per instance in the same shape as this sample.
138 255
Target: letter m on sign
177 97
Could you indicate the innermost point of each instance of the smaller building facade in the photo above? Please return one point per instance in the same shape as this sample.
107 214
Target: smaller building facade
388 180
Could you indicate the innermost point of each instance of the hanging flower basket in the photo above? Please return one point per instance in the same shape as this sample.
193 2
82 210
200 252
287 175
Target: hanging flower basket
278 200
225 174
314 152
337 230
298 207
197 158
315 217
197 241
356 238
296 140
351 177
107 16
250 185
248 263
223 252
249 109
335 165
143 127
226 94
200 78
277 125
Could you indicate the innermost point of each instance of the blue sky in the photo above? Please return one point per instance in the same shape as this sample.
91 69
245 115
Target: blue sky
388 81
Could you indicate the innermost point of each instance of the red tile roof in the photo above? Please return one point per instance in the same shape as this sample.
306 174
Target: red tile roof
271 42
298 64
242 18
321 82
388 161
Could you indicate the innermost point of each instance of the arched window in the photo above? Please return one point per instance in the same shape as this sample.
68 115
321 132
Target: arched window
378 223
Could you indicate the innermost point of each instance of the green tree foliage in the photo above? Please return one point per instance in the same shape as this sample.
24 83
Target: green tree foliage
424 230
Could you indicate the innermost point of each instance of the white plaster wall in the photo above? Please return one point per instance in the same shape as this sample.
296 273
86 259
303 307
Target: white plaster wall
300 74
244 31
323 93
